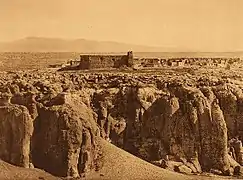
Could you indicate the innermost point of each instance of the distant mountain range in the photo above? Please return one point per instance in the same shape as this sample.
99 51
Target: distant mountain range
40 44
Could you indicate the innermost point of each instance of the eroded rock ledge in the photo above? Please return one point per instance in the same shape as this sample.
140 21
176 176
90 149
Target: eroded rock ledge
189 124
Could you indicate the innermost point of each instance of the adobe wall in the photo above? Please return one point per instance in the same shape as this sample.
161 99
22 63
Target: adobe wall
101 62
153 62
84 62
104 61
117 61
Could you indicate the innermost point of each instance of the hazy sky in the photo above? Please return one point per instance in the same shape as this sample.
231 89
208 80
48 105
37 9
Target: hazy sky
205 25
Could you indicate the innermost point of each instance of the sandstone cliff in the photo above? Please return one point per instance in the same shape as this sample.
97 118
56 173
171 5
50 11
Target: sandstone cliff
189 124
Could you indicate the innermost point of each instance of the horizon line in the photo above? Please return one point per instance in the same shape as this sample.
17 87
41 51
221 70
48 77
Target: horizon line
119 42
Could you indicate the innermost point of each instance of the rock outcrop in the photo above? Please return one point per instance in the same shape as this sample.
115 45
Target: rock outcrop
61 135
187 124
68 136
16 128
183 123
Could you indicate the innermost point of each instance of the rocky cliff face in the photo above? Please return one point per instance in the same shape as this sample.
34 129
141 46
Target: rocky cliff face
178 122
68 139
181 123
61 139
188 124
16 128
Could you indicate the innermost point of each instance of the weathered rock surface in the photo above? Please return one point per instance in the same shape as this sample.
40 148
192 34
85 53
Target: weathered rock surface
61 135
183 169
68 137
191 121
180 122
16 128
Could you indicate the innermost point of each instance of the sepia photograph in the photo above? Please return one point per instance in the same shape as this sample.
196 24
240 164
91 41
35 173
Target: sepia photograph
121 89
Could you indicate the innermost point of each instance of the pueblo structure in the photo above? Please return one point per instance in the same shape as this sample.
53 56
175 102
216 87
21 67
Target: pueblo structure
106 61
111 61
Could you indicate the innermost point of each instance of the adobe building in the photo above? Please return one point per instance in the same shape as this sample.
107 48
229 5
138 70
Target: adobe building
94 61
151 62
105 61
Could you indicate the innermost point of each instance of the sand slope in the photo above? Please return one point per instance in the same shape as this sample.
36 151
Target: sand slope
10 172
116 164
119 164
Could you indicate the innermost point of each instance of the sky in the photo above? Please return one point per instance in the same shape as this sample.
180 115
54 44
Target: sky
197 25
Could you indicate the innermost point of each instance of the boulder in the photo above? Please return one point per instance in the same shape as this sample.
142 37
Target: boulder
16 128
216 171
192 167
238 171
232 162
67 136
229 172
170 165
183 169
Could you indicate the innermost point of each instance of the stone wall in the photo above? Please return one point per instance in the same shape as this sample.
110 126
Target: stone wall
117 61
105 61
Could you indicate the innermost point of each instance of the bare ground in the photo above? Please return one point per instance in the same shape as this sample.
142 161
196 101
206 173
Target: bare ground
119 164
10 172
